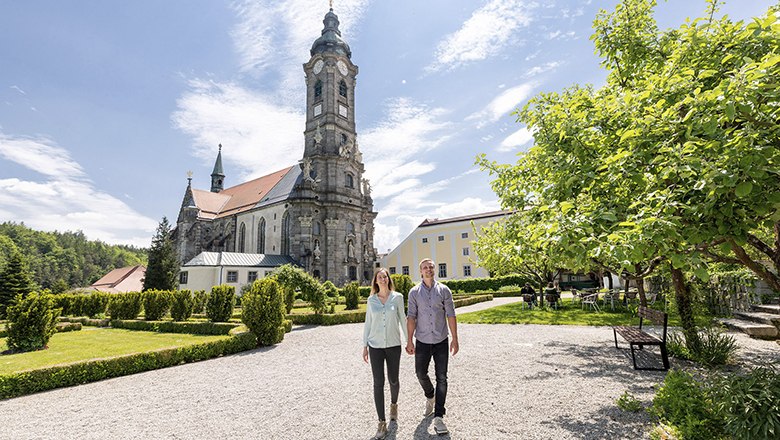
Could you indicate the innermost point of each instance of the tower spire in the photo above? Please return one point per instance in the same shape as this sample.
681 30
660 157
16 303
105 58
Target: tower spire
218 175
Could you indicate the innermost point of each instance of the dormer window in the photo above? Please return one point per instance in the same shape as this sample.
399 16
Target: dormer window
318 90
343 88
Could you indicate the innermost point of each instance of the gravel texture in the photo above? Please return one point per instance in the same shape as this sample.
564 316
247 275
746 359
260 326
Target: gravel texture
507 382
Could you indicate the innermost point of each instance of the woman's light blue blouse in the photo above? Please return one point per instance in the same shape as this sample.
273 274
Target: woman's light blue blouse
381 329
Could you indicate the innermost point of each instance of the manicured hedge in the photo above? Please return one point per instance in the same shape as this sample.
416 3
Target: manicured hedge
475 299
195 328
328 319
63 327
27 382
469 285
83 320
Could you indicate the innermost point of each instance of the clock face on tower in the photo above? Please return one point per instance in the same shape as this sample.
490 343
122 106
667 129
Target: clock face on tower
318 67
342 67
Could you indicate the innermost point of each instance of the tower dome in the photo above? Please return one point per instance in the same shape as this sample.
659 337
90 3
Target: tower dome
330 40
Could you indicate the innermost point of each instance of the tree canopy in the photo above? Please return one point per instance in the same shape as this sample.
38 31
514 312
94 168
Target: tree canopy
676 158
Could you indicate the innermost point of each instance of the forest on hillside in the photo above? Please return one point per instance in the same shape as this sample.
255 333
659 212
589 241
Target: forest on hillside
63 260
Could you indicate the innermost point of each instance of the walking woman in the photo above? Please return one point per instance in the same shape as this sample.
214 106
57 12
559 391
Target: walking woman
385 321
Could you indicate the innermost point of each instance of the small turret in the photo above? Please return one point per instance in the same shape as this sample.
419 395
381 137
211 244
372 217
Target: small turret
218 175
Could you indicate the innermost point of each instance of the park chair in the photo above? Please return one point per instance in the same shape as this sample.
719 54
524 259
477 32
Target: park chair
575 295
612 296
591 300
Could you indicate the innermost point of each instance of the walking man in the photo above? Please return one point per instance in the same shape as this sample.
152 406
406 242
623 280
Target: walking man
431 312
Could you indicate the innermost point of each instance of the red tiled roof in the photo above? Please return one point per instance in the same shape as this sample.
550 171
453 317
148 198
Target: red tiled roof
238 198
124 279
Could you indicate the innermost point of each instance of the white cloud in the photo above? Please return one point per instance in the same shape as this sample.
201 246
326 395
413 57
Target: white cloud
503 104
516 139
485 34
274 36
244 122
65 199
546 67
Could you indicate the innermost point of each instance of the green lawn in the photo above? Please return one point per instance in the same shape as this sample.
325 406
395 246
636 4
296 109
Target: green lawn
94 343
567 315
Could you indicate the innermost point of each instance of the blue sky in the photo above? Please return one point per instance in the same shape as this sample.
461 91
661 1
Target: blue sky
105 106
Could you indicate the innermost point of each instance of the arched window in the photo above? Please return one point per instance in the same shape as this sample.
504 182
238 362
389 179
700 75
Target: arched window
261 236
286 232
343 139
343 88
350 228
318 90
349 181
316 229
242 238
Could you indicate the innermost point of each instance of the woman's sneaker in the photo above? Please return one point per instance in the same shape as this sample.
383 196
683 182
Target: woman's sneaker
429 404
381 430
439 426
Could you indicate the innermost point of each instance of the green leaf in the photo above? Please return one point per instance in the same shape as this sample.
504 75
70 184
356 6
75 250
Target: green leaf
743 189
730 110
628 134
566 207
702 274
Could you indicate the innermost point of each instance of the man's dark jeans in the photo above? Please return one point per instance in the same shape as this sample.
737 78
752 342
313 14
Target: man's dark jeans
422 359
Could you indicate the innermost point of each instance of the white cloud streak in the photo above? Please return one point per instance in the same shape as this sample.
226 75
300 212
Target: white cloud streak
65 199
503 104
517 139
485 34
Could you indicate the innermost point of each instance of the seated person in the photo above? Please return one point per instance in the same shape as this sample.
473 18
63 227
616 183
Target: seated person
529 294
551 290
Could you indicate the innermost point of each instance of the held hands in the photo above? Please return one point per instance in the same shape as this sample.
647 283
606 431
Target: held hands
409 348
365 354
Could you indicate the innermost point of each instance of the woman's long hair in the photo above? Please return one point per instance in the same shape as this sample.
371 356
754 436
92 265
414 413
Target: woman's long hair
375 286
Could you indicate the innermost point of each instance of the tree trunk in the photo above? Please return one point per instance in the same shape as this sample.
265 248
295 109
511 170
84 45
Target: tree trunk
765 274
685 308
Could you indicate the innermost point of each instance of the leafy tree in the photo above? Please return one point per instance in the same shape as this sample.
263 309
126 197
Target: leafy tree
675 159
32 321
292 279
163 269
14 280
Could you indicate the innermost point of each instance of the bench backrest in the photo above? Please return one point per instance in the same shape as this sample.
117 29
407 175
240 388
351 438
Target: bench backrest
656 316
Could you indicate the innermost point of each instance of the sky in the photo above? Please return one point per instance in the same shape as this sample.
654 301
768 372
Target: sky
106 106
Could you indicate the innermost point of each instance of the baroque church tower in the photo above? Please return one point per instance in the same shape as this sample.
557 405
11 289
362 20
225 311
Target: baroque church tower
317 213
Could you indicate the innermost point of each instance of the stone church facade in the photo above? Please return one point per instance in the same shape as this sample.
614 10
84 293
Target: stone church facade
317 213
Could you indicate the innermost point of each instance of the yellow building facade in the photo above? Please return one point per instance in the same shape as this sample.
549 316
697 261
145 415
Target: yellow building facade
448 242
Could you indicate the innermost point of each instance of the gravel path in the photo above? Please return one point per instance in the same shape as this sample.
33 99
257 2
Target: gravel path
508 382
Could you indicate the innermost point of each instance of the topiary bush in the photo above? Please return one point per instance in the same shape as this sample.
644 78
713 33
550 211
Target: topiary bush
352 295
220 303
156 304
32 320
199 301
330 289
403 284
94 304
263 311
182 305
125 305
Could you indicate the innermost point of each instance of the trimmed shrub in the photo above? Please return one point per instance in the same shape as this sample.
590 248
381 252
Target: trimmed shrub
182 305
471 285
289 298
327 319
365 291
63 327
156 304
83 320
403 284
352 295
220 303
27 382
31 322
287 324
125 305
65 302
263 311
195 328
331 290
199 301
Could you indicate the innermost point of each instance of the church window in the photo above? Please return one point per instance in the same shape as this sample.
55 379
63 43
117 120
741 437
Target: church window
183 277
343 88
316 228
349 181
350 228
352 273
343 139
318 90
261 236
232 276
286 233
242 238
316 273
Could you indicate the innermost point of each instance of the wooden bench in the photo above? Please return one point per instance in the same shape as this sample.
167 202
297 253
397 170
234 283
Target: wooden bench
636 337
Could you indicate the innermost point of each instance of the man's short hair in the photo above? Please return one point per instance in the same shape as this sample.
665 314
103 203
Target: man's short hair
424 260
